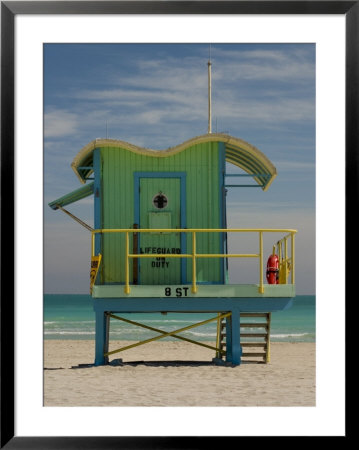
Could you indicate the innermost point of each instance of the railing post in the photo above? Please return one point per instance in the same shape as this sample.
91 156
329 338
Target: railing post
293 257
194 285
92 243
135 251
261 287
127 268
285 260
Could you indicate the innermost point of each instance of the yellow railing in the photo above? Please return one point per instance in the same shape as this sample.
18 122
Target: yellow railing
194 255
286 263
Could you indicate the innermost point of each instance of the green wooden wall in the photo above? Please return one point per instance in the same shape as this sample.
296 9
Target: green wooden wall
201 164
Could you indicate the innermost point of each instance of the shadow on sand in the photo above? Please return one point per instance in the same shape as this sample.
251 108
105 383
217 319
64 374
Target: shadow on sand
177 363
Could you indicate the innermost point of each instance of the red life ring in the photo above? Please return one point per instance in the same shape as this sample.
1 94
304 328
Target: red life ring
273 270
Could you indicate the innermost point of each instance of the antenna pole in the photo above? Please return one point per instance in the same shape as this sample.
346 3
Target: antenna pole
209 95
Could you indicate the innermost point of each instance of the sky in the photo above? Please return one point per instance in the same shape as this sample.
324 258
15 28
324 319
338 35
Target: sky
155 96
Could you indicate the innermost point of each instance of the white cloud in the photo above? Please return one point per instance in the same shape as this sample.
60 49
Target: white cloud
277 65
170 91
281 111
60 123
290 166
121 107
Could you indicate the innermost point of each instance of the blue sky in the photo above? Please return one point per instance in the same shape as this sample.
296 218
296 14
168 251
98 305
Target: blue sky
155 95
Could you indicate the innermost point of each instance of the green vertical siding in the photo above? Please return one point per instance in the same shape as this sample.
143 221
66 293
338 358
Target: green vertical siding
201 164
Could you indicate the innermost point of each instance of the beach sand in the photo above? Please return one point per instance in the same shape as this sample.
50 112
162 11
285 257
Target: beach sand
173 373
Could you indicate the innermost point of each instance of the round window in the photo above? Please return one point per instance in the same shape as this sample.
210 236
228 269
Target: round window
160 201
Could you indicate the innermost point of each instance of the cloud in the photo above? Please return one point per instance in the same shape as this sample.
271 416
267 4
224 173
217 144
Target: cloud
133 102
168 90
59 122
294 166
129 109
263 64
281 111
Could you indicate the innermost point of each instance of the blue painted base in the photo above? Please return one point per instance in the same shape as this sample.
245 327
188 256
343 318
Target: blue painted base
204 305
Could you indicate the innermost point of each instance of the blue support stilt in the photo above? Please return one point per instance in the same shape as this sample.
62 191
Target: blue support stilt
236 341
229 339
102 329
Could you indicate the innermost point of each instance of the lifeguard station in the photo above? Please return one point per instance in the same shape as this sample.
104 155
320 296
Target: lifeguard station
159 242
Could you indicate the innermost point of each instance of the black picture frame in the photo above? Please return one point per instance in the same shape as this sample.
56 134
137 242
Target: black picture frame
9 9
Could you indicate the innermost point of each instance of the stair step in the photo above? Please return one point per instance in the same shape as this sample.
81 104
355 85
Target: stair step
264 335
252 351
254 344
254 314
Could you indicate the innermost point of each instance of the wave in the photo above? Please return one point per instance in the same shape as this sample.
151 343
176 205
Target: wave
289 335
196 333
57 330
70 332
190 322
59 322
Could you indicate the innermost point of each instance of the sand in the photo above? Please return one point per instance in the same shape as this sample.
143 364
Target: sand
176 374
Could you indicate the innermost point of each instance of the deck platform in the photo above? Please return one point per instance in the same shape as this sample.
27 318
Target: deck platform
203 291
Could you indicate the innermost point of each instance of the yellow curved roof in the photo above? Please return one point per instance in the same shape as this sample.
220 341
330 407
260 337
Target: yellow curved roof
237 152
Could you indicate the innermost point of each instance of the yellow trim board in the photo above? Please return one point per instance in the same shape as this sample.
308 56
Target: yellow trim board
234 144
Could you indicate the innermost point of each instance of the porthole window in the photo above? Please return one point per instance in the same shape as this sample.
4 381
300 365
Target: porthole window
160 201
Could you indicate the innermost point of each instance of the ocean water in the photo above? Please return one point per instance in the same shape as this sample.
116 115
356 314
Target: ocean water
72 317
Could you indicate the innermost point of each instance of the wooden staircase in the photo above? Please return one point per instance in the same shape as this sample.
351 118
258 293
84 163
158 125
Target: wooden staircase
255 337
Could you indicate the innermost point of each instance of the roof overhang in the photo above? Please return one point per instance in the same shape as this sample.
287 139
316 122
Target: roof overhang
73 196
237 152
